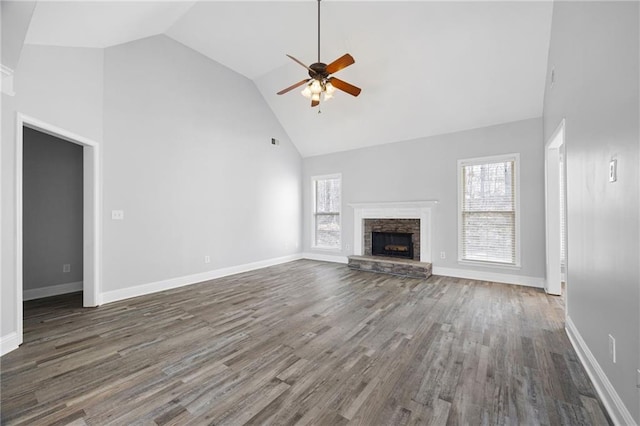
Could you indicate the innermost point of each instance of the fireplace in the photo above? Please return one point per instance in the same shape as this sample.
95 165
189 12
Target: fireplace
392 244
392 238
366 217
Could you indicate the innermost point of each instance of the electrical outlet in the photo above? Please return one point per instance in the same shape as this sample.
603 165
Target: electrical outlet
443 255
612 348
66 267
117 214
613 170
207 259
347 246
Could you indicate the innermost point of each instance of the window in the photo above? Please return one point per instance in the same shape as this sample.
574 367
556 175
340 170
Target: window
488 220
326 211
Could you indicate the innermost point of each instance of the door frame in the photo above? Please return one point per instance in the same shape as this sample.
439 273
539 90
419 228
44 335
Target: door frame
553 148
91 237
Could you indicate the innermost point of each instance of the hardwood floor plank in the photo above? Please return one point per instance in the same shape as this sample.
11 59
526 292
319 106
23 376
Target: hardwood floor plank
301 343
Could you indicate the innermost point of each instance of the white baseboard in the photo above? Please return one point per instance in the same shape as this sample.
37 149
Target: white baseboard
9 343
54 290
325 257
618 412
141 290
490 276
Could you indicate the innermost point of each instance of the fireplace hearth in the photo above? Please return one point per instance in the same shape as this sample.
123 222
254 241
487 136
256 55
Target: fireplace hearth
392 244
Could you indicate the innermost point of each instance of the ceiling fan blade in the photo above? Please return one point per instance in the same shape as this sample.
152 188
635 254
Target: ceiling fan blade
301 63
345 87
293 86
340 63
314 103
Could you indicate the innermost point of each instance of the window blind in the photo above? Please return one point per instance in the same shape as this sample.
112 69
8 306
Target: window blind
327 213
488 212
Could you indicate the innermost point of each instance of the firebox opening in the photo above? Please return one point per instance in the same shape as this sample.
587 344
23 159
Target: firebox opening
393 244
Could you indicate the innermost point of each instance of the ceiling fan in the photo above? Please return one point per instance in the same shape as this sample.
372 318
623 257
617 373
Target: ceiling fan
321 80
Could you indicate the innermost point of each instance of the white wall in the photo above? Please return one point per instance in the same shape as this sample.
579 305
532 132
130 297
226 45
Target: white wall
60 86
188 157
595 52
426 169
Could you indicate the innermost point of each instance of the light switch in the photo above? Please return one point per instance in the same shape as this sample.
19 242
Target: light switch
613 170
117 214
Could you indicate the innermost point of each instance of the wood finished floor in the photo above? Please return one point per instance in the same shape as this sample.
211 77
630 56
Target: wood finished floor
302 343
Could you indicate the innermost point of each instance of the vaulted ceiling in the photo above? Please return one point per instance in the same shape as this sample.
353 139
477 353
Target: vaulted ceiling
424 67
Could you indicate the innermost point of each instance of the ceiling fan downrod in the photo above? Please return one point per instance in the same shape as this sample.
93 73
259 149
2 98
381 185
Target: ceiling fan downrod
318 31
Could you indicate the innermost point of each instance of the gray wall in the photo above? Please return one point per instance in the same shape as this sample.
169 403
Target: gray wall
426 169
594 51
186 154
16 16
188 157
60 86
52 210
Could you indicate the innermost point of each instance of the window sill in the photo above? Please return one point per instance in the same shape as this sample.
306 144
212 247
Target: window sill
327 249
494 265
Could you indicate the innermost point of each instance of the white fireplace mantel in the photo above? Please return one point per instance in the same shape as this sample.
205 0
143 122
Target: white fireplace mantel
395 210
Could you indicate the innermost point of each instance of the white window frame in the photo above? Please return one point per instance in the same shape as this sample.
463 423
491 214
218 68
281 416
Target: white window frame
515 157
314 179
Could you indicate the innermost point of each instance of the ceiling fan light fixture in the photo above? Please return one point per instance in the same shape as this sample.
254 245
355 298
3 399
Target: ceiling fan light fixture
327 96
306 92
329 89
315 97
315 87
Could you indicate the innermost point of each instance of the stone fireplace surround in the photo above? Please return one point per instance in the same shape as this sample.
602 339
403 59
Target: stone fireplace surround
405 226
420 210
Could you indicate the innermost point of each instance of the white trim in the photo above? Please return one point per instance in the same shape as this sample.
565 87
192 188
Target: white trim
395 210
92 203
18 233
91 211
314 179
515 156
618 412
496 277
493 265
154 287
325 257
553 242
5 71
1 226
328 250
7 80
54 290
9 343
395 205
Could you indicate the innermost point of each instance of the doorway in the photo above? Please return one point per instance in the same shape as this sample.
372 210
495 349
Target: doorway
52 216
90 212
555 211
